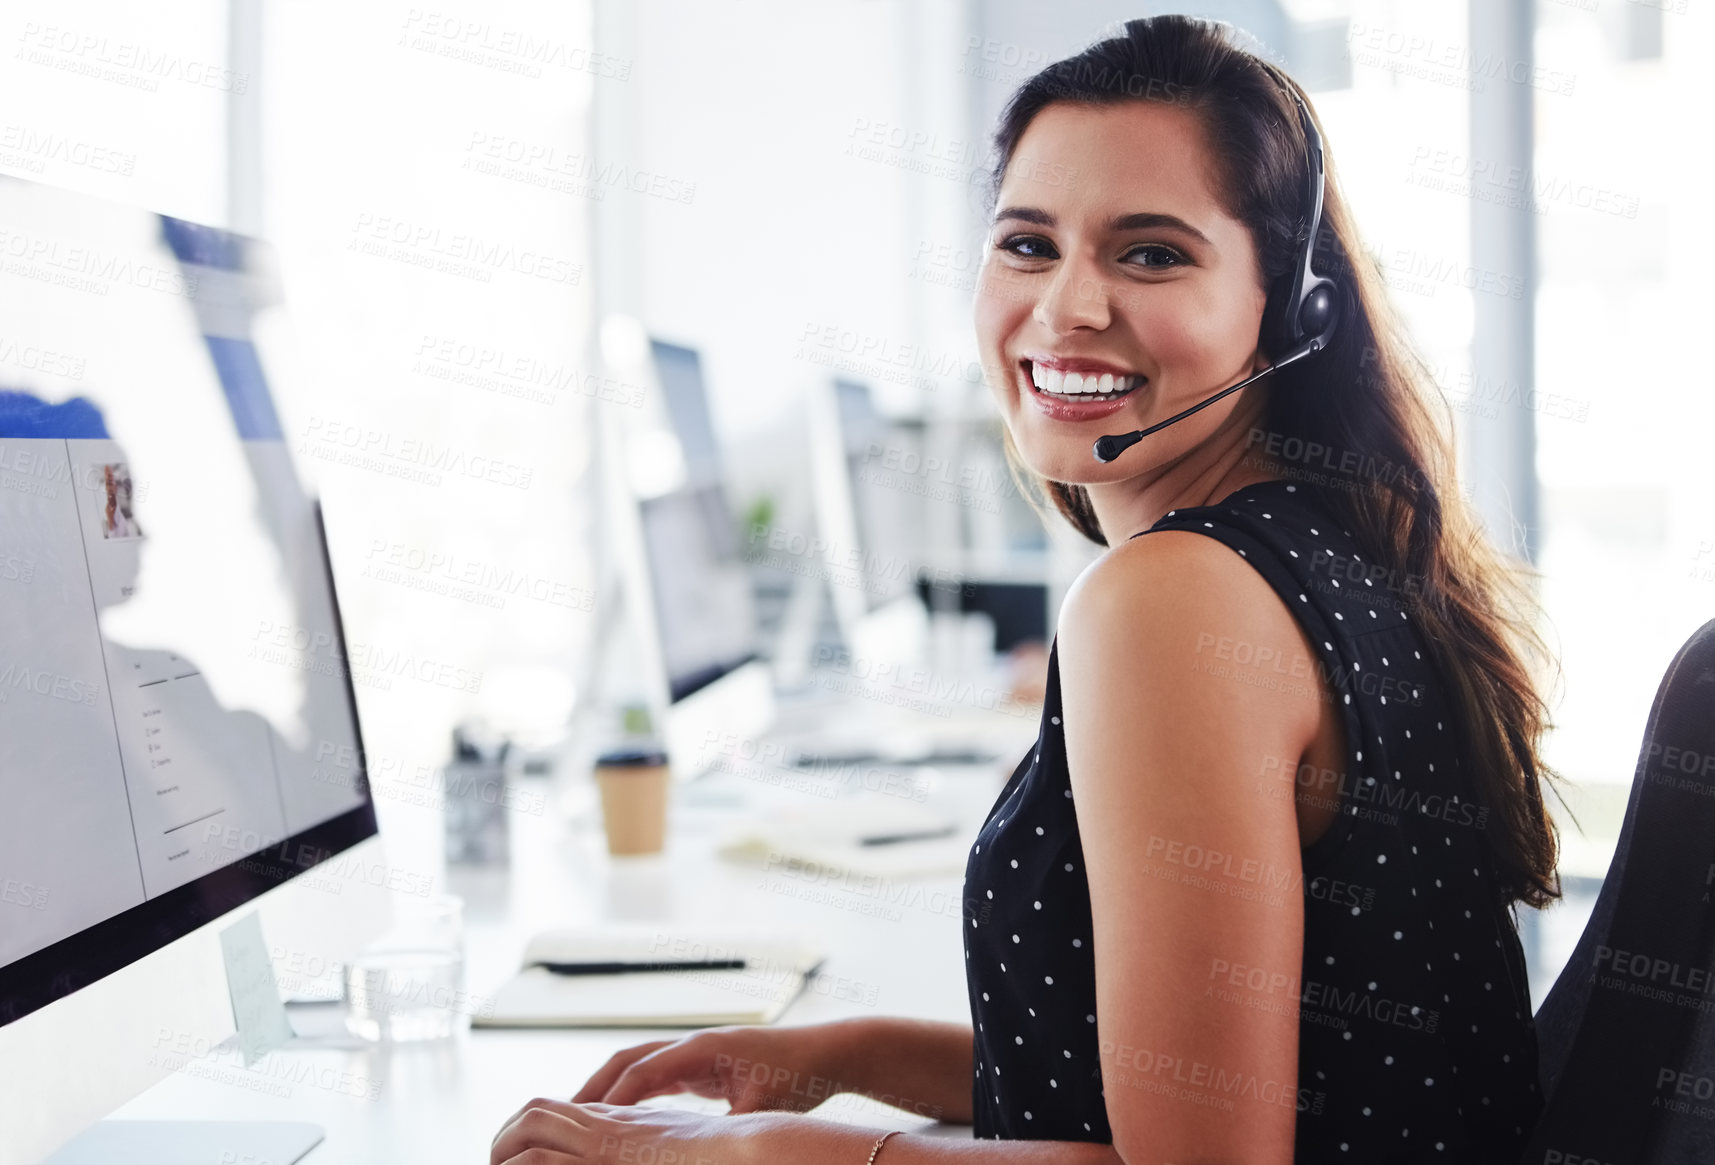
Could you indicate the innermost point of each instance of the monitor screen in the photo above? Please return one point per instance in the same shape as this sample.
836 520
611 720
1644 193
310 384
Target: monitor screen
177 726
886 512
704 611
701 587
680 373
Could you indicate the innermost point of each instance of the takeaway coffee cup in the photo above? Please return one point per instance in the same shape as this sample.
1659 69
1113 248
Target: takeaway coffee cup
633 800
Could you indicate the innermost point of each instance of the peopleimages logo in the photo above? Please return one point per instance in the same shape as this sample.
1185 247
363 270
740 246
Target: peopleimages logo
369 664
1378 799
455 252
1656 972
28 895
122 62
1346 463
30 150
1196 1082
415 458
508 50
81 267
18 677
1316 1001
1214 863
1414 54
451 574
494 368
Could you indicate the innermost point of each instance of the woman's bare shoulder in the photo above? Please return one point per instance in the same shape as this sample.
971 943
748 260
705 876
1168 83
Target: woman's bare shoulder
1167 575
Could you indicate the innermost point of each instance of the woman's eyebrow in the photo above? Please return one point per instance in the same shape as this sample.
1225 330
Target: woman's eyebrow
1142 220
1145 221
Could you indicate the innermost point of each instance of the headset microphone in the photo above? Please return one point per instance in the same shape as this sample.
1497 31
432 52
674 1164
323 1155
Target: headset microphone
1109 447
1300 315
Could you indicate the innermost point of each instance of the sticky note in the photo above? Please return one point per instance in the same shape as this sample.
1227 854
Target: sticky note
256 1008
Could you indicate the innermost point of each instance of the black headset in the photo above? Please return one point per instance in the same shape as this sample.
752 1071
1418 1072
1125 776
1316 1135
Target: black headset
1307 307
1301 312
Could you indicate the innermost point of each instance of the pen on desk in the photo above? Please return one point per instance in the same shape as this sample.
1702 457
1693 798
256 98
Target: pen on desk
805 760
891 838
626 968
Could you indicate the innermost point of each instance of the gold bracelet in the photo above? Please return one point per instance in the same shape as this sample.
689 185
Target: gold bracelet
880 1141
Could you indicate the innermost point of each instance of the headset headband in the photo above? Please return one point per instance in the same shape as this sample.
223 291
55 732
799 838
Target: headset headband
1309 312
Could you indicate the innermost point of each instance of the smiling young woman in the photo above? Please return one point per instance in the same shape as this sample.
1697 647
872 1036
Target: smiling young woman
1248 897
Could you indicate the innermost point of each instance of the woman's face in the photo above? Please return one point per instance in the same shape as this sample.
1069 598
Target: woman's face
1110 256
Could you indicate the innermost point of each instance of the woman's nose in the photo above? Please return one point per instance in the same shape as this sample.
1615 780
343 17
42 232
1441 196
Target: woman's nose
1073 298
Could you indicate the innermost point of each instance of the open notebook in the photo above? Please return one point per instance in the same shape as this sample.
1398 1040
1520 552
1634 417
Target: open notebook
881 837
776 967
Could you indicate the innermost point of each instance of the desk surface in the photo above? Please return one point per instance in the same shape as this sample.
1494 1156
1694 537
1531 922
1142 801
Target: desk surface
894 949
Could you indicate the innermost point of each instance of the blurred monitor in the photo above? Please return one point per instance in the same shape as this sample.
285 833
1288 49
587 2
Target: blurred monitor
679 372
865 515
179 741
693 585
700 587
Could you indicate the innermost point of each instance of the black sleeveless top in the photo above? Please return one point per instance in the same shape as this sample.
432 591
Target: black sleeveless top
1416 1040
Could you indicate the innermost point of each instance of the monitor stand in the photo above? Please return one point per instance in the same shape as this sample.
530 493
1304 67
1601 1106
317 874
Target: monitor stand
190 1142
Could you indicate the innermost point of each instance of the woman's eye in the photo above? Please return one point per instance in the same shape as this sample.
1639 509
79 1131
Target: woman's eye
1153 255
1028 247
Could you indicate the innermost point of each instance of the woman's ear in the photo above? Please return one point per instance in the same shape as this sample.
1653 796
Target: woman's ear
1268 315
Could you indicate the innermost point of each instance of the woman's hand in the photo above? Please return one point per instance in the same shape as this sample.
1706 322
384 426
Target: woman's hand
547 1132
755 1069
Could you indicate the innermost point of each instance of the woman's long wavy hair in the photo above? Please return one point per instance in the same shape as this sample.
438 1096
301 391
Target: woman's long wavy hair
1380 426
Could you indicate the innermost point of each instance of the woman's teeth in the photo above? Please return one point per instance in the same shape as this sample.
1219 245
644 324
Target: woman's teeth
1082 386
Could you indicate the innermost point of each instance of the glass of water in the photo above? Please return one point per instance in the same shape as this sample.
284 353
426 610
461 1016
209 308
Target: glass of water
409 984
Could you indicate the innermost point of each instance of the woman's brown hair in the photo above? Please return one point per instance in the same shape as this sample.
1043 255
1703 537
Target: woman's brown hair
1384 459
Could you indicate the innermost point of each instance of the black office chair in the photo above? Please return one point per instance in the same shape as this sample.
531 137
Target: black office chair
1627 1034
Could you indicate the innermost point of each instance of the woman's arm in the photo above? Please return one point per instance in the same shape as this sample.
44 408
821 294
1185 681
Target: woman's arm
922 1066
549 1131
1194 866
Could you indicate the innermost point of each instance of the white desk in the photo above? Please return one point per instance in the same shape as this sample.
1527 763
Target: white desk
899 948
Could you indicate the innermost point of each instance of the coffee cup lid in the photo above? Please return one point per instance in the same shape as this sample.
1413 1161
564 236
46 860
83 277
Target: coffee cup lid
631 758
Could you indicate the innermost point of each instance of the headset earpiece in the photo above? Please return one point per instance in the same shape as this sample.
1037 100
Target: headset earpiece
1318 314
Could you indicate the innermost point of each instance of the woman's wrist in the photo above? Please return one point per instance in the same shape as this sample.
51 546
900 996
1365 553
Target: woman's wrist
875 1149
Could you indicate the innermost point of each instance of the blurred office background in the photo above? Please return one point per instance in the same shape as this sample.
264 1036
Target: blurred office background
461 195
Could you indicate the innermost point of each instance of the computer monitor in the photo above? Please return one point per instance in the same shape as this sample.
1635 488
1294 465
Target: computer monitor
679 373
885 517
862 472
179 742
687 581
700 587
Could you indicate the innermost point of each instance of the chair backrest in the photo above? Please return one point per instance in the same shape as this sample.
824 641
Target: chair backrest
1627 1034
